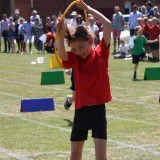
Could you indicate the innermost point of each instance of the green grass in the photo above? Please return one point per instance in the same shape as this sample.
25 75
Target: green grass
133 114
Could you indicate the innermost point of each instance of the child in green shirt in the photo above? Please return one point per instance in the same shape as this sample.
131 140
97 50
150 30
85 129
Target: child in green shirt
138 50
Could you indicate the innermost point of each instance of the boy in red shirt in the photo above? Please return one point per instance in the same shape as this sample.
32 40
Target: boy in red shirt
91 82
154 34
146 33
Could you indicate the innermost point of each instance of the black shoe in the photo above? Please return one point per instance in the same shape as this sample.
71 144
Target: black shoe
135 76
67 105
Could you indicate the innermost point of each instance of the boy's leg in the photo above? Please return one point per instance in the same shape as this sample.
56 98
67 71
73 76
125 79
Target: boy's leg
135 71
100 149
135 67
76 150
114 44
157 55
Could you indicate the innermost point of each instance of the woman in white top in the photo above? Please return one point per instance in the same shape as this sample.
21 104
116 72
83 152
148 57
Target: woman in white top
11 34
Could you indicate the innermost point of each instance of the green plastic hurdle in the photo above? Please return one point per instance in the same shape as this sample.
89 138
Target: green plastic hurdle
152 73
52 77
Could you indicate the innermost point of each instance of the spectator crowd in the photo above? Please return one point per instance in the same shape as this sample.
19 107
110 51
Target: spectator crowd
148 18
17 32
17 29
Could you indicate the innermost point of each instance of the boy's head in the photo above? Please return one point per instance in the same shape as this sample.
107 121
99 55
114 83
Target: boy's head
145 20
79 33
138 30
122 42
149 5
80 40
150 21
134 7
140 21
154 21
116 9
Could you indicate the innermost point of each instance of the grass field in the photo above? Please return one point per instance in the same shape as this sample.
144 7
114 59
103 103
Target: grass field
133 115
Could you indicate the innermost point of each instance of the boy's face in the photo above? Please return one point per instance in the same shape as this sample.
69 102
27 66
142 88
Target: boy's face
140 31
81 48
154 21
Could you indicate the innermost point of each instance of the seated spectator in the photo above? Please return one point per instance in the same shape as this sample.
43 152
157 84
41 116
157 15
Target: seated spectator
122 50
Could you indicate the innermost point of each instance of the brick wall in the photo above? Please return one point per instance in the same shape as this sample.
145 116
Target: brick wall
49 7
24 7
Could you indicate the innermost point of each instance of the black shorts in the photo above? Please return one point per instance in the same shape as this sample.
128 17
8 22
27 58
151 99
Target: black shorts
21 37
89 118
154 46
137 58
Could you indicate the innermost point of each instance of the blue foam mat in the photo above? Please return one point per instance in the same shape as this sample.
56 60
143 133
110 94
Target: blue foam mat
37 104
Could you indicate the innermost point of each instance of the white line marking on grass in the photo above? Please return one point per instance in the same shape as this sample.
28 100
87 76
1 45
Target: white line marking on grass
135 89
20 66
138 147
136 102
46 153
22 74
53 153
59 89
10 95
13 155
33 85
35 122
125 145
130 80
134 121
44 124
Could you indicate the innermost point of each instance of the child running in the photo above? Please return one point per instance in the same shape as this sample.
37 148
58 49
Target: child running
91 82
138 49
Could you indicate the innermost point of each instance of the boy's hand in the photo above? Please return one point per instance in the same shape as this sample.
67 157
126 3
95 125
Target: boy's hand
156 40
81 4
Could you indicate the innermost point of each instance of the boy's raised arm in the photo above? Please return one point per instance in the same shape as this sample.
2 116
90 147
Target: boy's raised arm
101 18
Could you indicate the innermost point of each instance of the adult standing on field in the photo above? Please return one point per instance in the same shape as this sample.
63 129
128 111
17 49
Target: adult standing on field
4 29
28 32
34 16
134 15
117 24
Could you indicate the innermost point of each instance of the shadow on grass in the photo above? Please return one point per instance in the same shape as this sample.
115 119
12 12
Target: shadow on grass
70 123
137 80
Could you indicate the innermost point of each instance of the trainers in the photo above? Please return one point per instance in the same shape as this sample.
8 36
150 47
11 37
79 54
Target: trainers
135 76
67 105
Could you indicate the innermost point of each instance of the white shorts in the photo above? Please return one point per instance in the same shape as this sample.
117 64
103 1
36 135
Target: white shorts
26 37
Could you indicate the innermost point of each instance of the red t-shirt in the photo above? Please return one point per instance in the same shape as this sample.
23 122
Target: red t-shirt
91 77
154 32
146 31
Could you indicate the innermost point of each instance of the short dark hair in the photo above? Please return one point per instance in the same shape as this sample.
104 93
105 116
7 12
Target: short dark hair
149 4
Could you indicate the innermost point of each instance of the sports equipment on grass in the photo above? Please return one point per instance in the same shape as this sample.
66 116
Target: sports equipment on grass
37 104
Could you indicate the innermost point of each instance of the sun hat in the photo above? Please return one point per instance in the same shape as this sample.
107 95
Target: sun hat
34 11
74 13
